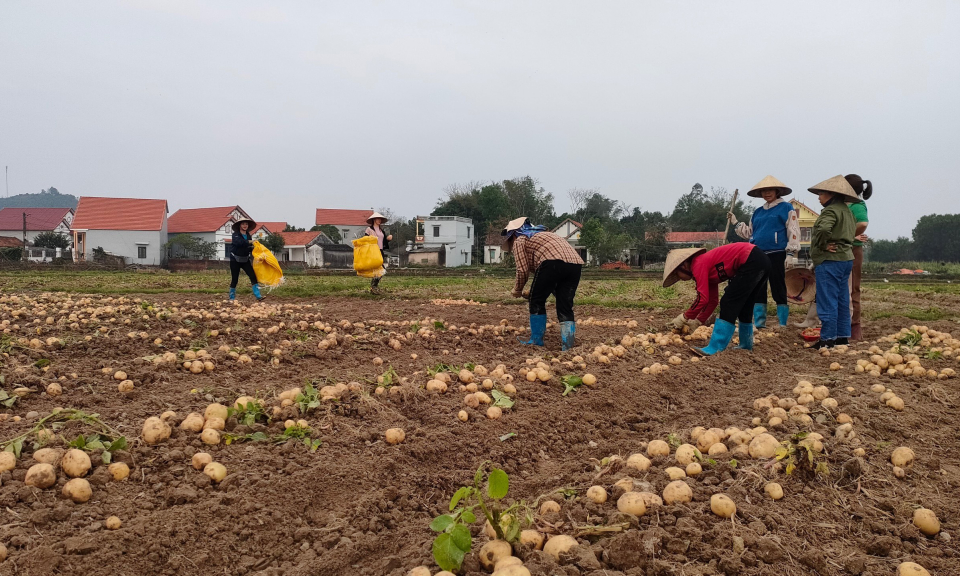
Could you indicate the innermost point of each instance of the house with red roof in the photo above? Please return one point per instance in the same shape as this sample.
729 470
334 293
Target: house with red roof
210 225
692 239
38 220
352 224
132 228
264 228
306 247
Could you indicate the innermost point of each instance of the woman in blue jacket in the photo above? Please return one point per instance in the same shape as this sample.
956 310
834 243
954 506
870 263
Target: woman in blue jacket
241 248
774 228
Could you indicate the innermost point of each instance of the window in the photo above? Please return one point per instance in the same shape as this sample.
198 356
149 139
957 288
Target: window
345 233
436 231
493 255
805 234
468 231
141 251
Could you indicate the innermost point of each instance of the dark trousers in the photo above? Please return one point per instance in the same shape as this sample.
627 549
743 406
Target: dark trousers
745 289
560 279
235 268
777 278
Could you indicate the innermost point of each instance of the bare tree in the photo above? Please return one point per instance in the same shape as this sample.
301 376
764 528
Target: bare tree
578 198
458 189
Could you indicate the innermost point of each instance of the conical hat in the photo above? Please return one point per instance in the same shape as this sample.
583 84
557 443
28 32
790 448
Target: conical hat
674 259
376 215
769 183
838 185
512 225
801 285
253 224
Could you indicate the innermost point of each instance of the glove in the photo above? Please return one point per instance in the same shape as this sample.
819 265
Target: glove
678 323
515 293
790 262
693 324
732 218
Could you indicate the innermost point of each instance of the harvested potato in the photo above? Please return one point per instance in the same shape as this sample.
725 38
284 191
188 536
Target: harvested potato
718 448
119 375
677 492
155 430
911 569
463 416
632 503
46 455
638 461
597 494
492 552
549 507
8 461
675 473
193 422
395 436
419 571
658 448
494 412
210 436
75 463
926 521
559 544
113 523
843 418
896 403
589 379
125 386
687 453
651 499
763 446
119 471
707 439
504 563
625 484
531 538
200 460
216 411
693 469
78 490
216 471
722 505
902 457
244 400
214 424
41 476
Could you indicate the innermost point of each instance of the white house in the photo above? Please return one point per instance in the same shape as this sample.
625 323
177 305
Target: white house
352 224
453 233
133 228
492 254
208 224
39 220
569 230
304 247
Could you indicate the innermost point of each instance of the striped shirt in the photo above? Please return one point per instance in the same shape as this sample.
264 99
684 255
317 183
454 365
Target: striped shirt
530 253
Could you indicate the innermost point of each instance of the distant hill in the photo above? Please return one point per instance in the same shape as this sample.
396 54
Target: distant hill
50 198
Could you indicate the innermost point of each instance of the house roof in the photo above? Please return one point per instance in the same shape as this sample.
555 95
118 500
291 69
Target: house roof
342 217
42 219
300 238
272 227
188 220
98 213
809 209
572 221
693 237
10 242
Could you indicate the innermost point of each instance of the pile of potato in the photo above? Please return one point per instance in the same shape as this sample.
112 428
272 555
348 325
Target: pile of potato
74 464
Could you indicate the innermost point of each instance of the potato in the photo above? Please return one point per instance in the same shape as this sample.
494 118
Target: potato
658 448
210 436
902 457
638 461
463 416
707 439
168 415
687 453
625 484
843 418
693 469
512 570
632 503
722 505
193 422
75 463
896 403
214 424
494 412
482 398
244 400
597 494
549 507
492 552
200 460
911 569
113 523
675 473
773 490
558 545
8 461
216 471
504 563
589 379
155 430
696 432
77 490
119 471
677 492
531 538
395 436
419 571
763 446
41 476
47 455
829 403
926 521
3 552
119 375
718 448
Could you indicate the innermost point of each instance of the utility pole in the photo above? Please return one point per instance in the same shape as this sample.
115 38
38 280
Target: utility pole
6 177
24 234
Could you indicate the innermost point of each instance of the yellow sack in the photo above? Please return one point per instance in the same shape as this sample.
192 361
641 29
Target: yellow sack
367 259
266 267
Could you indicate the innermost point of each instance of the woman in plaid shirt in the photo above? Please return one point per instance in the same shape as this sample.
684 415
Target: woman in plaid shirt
556 267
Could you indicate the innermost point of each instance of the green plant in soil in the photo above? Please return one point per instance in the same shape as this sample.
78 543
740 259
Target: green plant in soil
911 338
307 399
97 443
501 400
454 541
798 454
249 413
570 383
103 437
302 434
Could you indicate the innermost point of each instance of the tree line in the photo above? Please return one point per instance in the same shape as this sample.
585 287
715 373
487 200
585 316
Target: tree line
935 238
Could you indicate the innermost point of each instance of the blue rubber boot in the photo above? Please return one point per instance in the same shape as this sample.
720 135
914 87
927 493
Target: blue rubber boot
760 315
256 293
783 314
233 293
746 336
568 333
538 327
722 335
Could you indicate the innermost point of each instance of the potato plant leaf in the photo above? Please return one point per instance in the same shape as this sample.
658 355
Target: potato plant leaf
446 553
570 383
118 444
461 537
441 523
502 400
106 457
468 517
497 484
458 496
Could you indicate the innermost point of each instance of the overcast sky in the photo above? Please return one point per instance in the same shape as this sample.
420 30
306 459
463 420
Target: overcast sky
284 107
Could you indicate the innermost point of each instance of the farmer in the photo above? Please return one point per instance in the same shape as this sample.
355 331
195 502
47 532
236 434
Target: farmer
556 267
241 247
864 190
774 228
376 220
831 248
746 267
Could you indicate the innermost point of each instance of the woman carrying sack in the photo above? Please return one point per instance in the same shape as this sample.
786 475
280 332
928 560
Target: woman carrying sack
376 220
241 248
744 265
774 228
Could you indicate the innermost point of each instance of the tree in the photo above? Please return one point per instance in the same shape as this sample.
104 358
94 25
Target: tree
899 250
51 239
330 230
697 211
606 241
49 198
936 237
187 246
290 228
273 243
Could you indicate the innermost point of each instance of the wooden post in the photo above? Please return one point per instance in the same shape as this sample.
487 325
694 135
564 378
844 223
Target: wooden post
732 205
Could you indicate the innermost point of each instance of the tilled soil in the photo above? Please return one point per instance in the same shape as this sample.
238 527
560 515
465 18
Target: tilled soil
359 506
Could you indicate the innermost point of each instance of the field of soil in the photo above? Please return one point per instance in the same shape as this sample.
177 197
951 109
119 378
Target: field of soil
344 501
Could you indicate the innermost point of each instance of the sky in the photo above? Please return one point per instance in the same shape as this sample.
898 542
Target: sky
284 107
